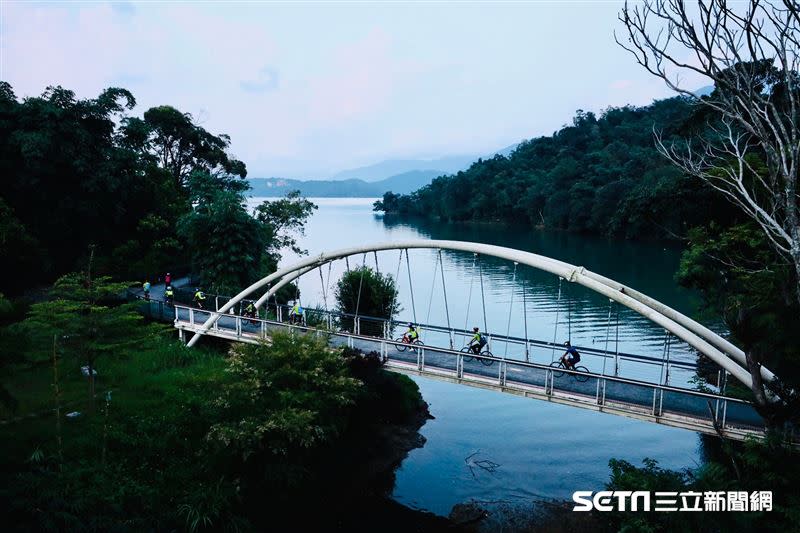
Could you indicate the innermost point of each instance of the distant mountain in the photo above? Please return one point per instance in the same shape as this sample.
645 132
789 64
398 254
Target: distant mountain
403 183
393 167
704 91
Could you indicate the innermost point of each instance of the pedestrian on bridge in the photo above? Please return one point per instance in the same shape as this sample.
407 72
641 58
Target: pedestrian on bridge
168 279
169 295
146 289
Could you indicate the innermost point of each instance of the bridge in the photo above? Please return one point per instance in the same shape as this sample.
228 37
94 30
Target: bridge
526 367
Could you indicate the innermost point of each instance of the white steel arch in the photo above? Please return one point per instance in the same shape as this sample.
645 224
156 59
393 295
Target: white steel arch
718 349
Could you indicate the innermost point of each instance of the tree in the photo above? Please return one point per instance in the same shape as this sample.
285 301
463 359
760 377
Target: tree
364 292
742 280
228 245
286 396
175 143
87 316
282 220
751 56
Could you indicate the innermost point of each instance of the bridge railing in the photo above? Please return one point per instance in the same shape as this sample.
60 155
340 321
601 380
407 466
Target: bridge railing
511 347
646 368
701 410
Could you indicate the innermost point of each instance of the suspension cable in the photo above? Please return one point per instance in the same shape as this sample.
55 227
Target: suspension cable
669 343
411 288
361 283
555 330
664 353
324 291
525 318
569 313
511 307
444 289
483 299
433 287
469 298
608 330
394 293
616 348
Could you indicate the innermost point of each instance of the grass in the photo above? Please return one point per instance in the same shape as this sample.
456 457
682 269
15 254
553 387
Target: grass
153 377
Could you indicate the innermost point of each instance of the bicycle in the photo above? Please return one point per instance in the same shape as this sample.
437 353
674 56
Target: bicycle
583 377
251 317
296 319
485 352
407 343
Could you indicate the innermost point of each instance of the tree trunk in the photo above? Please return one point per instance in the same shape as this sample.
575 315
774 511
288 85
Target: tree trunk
763 406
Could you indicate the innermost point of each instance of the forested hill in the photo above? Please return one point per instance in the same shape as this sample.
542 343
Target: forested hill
599 175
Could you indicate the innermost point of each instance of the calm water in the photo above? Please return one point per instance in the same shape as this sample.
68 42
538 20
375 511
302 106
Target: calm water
541 449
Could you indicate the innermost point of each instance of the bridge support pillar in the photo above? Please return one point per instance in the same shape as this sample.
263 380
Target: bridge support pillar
182 335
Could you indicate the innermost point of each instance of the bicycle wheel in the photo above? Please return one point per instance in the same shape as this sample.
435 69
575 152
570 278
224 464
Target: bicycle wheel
584 376
467 358
400 347
487 362
558 368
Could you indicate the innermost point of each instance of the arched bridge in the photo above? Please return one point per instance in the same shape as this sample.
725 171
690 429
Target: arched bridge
527 369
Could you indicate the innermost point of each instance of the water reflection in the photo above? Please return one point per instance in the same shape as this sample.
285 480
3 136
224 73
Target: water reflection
542 449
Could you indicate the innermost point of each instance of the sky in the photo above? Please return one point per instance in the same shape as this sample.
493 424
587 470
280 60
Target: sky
307 89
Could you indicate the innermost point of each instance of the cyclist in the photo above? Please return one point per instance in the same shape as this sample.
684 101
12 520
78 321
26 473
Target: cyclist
198 297
249 310
477 342
146 289
571 357
296 312
169 294
412 335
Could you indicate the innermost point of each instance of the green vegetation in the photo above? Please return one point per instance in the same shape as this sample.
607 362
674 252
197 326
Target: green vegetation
148 194
751 467
598 175
182 439
364 292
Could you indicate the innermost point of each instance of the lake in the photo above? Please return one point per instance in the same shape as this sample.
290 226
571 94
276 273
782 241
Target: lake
539 449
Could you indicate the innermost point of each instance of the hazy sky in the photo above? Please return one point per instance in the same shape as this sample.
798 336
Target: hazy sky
306 89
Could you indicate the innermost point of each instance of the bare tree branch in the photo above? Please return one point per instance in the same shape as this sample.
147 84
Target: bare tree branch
750 53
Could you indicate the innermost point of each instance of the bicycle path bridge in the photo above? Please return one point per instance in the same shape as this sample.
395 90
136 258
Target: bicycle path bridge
525 369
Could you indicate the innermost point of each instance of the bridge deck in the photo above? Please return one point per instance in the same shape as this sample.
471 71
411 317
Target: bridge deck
709 413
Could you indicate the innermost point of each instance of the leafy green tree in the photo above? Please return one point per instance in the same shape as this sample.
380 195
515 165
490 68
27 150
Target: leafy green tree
228 245
286 395
175 143
87 318
364 292
284 220
743 280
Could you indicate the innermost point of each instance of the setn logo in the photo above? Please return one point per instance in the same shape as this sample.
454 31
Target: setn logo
604 500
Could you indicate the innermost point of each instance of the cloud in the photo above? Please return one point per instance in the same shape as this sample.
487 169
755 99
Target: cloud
267 80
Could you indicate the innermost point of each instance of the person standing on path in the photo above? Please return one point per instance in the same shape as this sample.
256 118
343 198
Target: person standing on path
146 289
168 279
